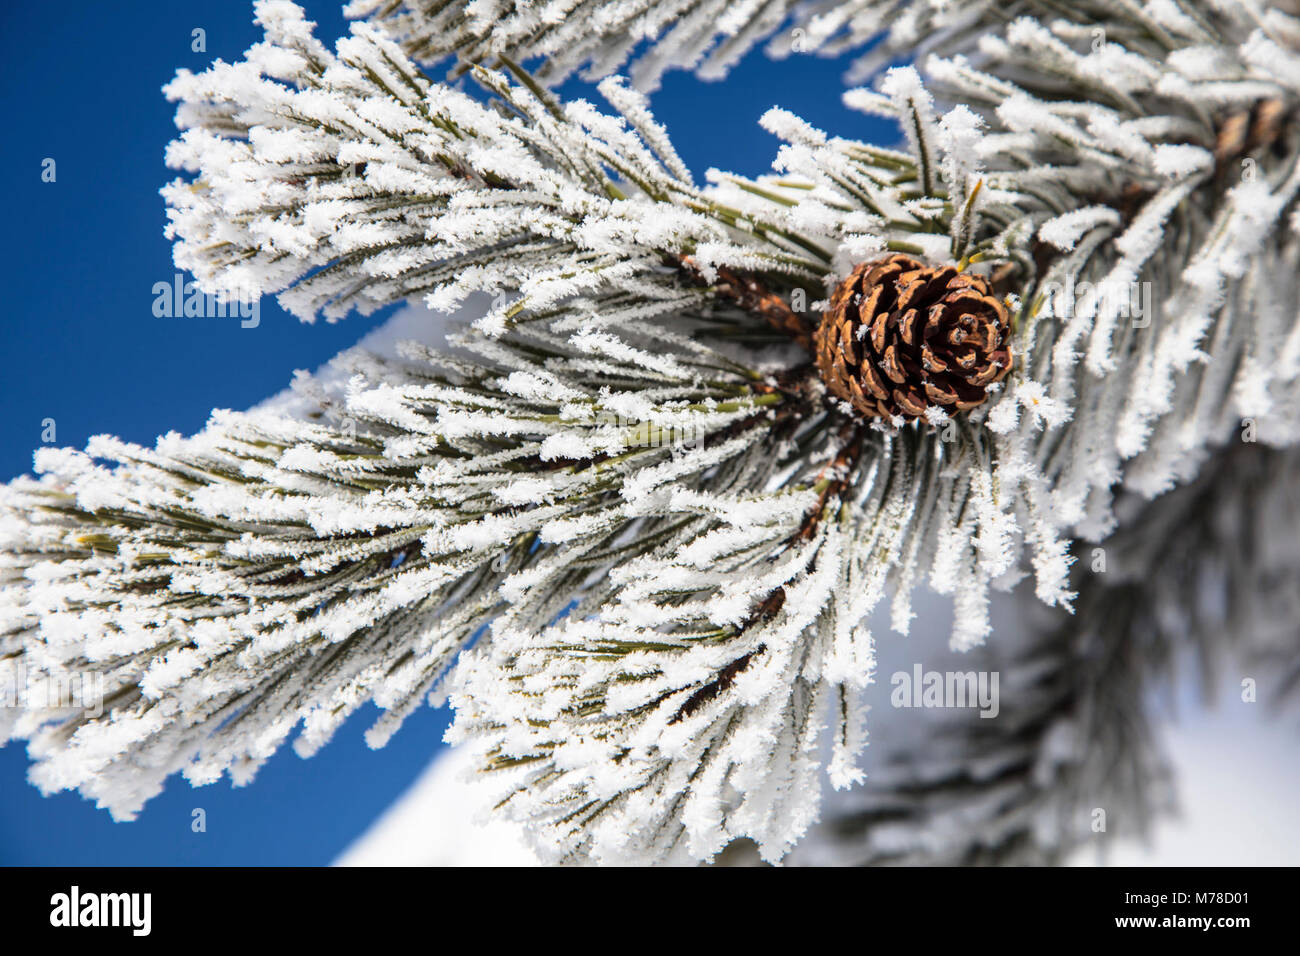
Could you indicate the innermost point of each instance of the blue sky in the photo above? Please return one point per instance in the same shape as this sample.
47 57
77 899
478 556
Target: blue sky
82 347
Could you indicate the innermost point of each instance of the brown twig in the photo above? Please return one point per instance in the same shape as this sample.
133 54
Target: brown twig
1249 130
770 606
750 294
842 463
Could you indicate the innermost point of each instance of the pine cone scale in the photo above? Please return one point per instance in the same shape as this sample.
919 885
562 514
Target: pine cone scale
900 337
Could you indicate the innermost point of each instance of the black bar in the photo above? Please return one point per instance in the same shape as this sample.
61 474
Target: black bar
663 909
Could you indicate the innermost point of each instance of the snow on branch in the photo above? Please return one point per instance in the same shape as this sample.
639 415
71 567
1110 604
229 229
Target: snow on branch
271 572
708 36
635 499
348 181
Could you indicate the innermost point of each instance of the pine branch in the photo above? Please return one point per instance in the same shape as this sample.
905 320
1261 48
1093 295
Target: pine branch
266 572
1205 574
526 198
539 501
595 34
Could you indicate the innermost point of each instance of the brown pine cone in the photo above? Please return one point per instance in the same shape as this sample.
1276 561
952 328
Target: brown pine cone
900 336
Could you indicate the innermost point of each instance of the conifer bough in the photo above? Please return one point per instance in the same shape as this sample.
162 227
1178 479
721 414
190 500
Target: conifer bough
622 523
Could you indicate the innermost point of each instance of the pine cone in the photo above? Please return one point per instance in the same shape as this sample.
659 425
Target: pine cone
900 336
